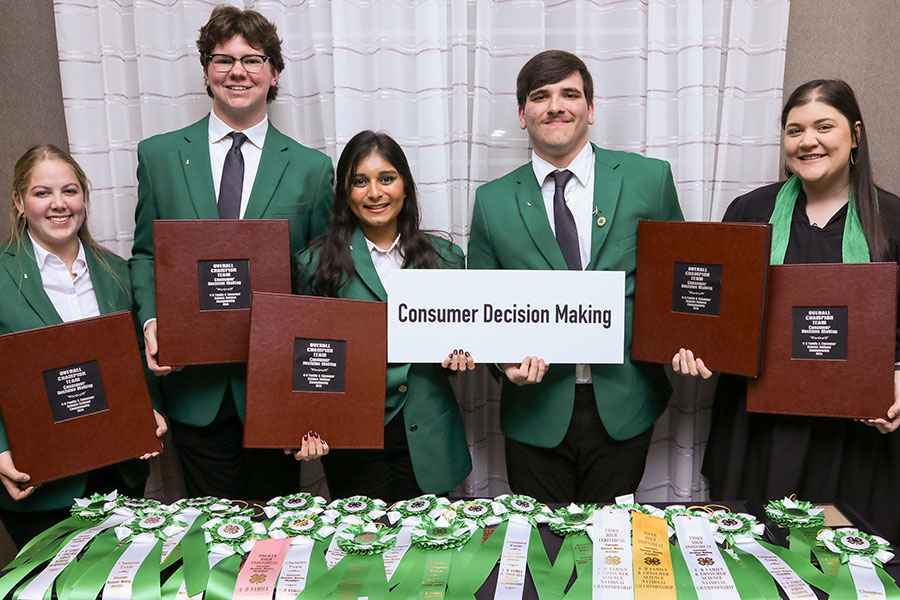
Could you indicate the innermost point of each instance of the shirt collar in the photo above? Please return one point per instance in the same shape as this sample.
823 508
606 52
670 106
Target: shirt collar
218 130
41 256
395 247
580 166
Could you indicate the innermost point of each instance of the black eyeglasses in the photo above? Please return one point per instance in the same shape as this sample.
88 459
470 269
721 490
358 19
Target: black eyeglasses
252 63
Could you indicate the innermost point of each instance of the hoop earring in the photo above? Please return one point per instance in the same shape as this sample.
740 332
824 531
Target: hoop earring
852 159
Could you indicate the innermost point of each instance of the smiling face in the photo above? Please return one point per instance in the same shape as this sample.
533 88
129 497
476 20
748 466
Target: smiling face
239 97
817 144
557 116
376 194
54 207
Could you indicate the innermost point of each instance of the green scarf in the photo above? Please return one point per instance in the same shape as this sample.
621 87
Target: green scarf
854 248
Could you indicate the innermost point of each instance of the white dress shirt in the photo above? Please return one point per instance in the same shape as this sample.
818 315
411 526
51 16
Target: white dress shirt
219 145
386 261
579 194
73 297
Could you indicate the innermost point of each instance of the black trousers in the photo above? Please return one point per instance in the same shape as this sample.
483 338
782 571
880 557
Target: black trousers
386 474
587 466
23 526
215 463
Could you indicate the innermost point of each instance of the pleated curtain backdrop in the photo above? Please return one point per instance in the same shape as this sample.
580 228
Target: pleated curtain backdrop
694 82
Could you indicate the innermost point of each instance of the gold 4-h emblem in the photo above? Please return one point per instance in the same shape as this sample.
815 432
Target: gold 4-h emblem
613 560
258 578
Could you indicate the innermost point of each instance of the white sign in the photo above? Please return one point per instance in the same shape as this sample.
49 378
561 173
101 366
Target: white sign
504 316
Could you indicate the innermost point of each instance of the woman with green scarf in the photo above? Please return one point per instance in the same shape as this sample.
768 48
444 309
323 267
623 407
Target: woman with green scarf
828 210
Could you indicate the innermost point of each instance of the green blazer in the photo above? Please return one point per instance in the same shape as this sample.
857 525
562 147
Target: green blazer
25 305
175 182
434 427
510 230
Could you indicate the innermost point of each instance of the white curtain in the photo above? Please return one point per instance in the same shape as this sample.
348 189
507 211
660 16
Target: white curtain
695 82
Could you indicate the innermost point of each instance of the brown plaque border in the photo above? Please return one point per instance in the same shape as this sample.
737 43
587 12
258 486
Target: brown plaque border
730 342
187 335
276 415
47 450
861 387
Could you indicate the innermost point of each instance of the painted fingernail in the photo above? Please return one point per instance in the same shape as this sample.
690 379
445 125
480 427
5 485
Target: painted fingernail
467 354
315 435
305 437
455 352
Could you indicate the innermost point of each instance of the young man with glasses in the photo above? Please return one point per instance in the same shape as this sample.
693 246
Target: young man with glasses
232 164
574 433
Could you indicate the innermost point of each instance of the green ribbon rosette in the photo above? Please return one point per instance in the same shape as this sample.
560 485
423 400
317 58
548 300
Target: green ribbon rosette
416 508
132 569
305 560
522 510
425 568
194 572
361 571
367 509
803 520
90 517
862 557
756 562
576 552
228 539
483 517
301 501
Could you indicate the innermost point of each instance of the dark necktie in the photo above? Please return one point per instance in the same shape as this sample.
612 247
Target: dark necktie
232 179
566 233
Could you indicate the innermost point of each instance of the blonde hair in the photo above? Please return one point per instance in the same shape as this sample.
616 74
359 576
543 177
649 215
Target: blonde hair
22 172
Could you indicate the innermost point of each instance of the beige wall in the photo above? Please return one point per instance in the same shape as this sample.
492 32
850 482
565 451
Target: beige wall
858 42
31 97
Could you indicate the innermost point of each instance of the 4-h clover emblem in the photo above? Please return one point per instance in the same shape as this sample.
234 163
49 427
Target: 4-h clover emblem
705 561
365 537
474 510
296 502
613 560
354 506
730 523
257 578
652 561
151 522
853 540
523 505
417 506
232 529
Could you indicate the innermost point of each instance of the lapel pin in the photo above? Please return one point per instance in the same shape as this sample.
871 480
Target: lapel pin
351 247
601 221
528 203
26 275
187 162
596 211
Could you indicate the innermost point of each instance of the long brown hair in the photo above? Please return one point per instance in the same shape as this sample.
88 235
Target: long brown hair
838 94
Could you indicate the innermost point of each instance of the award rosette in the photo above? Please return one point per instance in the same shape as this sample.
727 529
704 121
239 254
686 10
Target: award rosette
228 539
484 518
708 571
410 514
361 571
758 563
301 501
61 544
683 580
862 556
425 568
305 560
803 520
132 570
571 523
191 545
355 510
522 545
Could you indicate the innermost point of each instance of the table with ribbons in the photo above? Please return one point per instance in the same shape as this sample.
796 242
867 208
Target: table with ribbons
510 547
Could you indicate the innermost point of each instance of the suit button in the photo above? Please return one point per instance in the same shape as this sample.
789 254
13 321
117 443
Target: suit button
413 427
402 389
